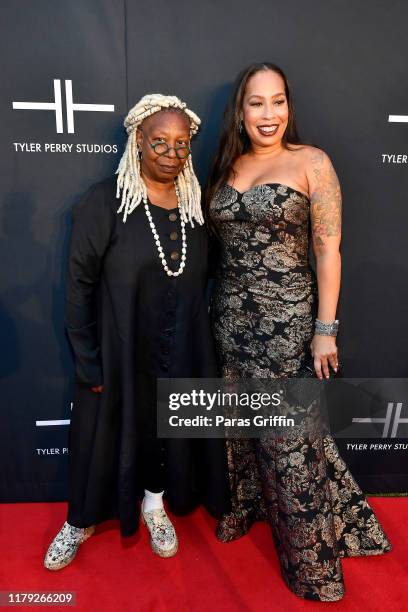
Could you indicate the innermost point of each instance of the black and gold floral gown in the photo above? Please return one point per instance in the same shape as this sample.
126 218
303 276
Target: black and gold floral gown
263 308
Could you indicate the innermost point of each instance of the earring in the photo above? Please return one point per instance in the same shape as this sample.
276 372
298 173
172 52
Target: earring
241 126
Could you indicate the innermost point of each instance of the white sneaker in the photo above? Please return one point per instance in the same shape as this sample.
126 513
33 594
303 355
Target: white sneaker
64 546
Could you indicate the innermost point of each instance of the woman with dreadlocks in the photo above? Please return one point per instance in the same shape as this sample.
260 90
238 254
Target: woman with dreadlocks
135 311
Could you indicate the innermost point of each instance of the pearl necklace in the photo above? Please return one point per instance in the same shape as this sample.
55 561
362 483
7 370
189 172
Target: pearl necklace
157 239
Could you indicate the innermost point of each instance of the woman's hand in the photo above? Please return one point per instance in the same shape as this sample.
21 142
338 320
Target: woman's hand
324 352
97 389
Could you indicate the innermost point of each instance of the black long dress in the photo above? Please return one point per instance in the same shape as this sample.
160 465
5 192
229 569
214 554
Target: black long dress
263 310
129 323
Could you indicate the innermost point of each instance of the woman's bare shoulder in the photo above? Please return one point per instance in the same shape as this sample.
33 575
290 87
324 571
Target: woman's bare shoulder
314 160
317 154
307 151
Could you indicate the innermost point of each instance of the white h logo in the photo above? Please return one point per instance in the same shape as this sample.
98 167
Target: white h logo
56 106
55 421
387 420
398 118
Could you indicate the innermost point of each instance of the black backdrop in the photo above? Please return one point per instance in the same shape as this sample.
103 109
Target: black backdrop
347 64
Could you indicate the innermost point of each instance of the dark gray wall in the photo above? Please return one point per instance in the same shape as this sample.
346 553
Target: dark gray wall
347 65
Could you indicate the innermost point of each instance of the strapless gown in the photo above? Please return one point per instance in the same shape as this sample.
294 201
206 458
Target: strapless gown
263 308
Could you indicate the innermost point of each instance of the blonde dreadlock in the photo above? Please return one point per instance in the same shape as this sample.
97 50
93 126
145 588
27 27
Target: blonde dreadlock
130 181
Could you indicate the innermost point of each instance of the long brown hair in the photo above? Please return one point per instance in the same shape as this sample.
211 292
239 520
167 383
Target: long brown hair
233 142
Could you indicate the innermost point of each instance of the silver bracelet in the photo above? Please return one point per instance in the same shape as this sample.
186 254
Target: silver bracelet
326 329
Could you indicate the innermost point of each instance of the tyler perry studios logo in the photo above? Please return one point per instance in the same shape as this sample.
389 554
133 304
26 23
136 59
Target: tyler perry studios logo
391 420
52 423
395 158
71 107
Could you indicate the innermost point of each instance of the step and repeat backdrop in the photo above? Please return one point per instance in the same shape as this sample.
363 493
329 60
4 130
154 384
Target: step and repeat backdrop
70 71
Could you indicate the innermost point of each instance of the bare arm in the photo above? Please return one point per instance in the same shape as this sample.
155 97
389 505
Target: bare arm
325 212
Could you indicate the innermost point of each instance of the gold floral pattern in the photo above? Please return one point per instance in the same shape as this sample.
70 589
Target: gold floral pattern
263 309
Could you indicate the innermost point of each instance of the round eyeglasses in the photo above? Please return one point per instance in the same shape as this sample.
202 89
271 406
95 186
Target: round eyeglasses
161 148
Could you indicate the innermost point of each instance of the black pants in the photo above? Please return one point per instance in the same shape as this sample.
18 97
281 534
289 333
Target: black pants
153 464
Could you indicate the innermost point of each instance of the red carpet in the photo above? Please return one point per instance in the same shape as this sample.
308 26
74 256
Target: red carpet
114 574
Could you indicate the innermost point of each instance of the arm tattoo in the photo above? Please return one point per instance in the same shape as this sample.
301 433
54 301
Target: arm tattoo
325 200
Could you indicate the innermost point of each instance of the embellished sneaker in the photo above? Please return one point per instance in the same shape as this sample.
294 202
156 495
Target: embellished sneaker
64 546
163 538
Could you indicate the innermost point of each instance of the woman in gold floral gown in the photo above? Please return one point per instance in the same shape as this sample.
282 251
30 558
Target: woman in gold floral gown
268 195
